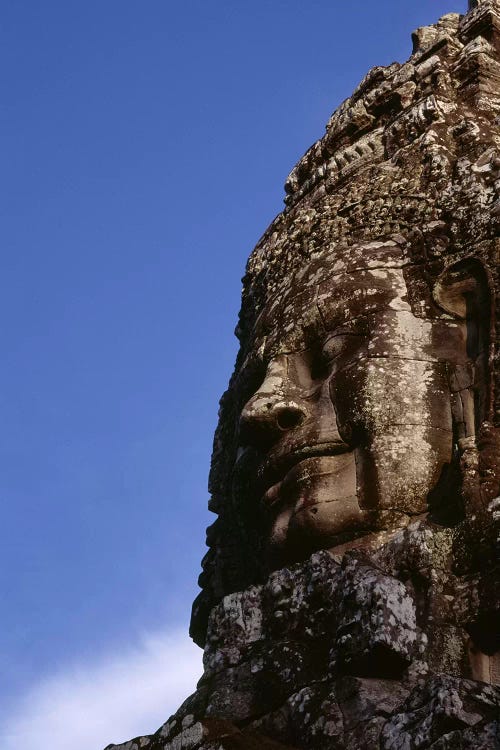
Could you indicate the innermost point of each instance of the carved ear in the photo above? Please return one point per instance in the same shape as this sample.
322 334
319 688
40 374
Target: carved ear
462 290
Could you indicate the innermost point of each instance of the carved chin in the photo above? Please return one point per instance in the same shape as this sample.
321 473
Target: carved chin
315 525
317 507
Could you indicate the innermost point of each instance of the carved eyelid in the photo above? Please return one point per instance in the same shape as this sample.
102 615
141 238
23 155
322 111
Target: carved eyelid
342 334
336 334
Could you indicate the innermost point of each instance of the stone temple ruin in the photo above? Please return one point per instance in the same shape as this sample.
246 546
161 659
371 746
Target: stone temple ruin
350 595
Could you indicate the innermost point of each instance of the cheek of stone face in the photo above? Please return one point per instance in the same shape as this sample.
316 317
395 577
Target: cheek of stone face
398 470
399 414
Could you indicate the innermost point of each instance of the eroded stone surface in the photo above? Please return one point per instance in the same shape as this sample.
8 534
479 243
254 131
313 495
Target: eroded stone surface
350 594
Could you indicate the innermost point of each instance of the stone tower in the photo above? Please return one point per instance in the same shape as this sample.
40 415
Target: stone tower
351 592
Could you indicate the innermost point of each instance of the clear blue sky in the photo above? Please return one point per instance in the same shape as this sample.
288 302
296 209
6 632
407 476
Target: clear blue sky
145 146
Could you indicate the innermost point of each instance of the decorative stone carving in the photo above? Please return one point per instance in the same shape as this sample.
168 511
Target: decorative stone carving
350 596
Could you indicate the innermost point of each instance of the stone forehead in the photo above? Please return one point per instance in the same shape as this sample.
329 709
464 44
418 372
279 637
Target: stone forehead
340 261
339 284
346 303
335 261
331 261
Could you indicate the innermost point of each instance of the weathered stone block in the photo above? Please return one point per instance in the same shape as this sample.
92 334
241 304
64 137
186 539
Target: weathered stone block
377 632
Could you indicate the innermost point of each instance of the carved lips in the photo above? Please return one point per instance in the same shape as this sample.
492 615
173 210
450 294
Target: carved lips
280 475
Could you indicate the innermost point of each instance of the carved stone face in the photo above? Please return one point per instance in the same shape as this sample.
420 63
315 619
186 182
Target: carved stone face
353 421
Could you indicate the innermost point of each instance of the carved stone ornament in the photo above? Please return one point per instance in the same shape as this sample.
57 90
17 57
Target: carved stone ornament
351 592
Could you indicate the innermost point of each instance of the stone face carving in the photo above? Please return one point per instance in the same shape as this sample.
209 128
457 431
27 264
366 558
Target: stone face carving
352 429
351 591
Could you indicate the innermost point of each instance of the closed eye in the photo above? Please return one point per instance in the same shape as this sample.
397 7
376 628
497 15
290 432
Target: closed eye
340 347
337 345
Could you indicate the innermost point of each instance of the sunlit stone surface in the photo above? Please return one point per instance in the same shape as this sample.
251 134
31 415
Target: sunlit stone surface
350 594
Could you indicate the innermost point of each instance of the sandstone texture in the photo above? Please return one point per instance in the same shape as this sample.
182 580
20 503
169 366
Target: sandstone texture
350 596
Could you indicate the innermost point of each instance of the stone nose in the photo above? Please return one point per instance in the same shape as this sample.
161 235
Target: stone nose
265 417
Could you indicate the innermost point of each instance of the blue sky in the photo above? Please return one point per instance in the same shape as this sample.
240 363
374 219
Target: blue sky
145 150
